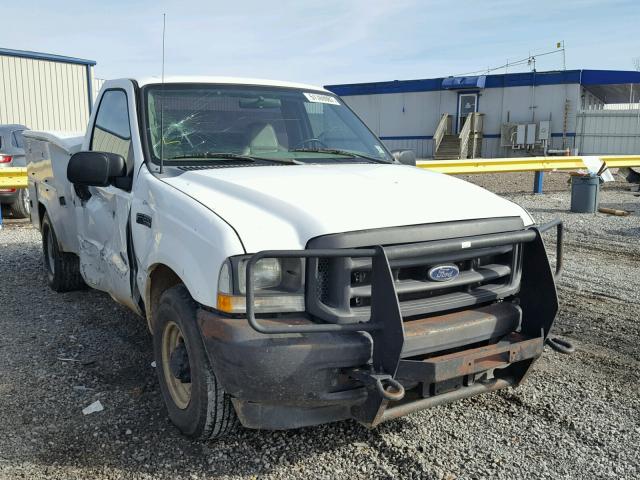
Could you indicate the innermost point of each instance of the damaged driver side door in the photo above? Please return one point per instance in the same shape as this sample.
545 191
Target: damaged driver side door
104 214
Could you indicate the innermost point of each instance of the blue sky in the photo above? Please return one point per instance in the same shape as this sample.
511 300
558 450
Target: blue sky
326 42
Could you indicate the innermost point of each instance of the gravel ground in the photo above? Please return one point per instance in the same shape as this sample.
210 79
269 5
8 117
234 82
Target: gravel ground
576 417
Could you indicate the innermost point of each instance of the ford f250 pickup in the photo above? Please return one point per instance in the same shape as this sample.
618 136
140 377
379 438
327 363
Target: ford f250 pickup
292 270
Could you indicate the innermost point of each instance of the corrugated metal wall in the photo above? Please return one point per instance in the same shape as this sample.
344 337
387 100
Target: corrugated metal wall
409 120
97 85
43 94
608 132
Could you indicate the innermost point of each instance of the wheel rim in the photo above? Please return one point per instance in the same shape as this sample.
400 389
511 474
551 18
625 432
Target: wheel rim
25 200
173 343
50 260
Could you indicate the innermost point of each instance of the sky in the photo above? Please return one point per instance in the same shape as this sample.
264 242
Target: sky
329 41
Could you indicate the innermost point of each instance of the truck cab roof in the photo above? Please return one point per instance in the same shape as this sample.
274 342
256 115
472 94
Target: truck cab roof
142 81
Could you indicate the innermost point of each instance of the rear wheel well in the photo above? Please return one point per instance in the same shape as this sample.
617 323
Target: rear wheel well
161 278
41 211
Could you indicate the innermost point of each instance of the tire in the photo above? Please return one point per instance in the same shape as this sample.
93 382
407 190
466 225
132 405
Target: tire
21 208
206 411
63 269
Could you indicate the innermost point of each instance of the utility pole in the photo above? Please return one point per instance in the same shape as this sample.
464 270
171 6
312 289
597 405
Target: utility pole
566 95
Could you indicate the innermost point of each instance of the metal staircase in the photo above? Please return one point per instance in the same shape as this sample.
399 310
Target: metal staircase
448 149
466 144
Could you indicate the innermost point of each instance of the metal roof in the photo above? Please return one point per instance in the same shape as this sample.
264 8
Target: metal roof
8 52
556 77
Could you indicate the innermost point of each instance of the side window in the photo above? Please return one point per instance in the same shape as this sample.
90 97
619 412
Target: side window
111 132
18 139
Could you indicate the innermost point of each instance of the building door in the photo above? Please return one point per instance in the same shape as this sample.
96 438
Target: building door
467 103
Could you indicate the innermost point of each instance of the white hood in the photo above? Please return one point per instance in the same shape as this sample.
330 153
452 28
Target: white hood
283 207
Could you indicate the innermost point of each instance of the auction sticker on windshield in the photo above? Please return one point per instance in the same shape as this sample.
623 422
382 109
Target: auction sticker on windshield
319 98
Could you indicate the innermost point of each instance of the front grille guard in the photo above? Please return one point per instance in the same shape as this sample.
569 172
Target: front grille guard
385 324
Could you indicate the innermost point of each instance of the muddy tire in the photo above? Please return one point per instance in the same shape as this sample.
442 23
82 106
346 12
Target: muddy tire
63 269
21 208
195 400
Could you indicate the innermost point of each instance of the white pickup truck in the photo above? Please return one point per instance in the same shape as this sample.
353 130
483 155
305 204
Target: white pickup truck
292 270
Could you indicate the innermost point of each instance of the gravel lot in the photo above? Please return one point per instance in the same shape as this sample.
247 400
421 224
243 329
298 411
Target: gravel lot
577 416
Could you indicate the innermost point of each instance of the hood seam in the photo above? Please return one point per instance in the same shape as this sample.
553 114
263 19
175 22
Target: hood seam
211 210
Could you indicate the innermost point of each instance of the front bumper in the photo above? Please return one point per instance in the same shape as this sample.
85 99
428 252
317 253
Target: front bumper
292 380
291 372
287 380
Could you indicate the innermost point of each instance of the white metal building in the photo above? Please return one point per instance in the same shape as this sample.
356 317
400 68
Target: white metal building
515 113
45 91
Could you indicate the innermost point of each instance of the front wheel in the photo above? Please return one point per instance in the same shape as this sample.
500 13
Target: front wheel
195 400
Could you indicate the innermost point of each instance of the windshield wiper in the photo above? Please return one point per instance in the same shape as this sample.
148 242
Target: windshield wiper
229 156
234 156
336 151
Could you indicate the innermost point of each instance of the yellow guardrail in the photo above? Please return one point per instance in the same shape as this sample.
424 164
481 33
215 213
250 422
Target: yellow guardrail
523 164
13 177
16 177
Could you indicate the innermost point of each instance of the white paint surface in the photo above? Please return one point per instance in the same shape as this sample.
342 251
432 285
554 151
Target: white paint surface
284 207
200 218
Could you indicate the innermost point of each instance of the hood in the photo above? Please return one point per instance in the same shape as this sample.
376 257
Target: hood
284 206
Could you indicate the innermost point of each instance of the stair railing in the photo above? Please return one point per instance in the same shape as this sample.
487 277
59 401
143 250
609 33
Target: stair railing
441 131
464 136
476 134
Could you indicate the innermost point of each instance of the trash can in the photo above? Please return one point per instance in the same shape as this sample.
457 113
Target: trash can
585 193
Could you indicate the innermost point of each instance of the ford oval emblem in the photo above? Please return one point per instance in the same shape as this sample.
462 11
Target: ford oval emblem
443 273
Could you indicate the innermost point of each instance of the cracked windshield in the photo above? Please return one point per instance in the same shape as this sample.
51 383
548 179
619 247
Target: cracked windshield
200 123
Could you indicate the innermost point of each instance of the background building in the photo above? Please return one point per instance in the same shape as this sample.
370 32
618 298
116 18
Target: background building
44 91
593 111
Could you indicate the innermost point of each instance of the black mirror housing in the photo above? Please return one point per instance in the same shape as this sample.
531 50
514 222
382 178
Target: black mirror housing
406 157
96 169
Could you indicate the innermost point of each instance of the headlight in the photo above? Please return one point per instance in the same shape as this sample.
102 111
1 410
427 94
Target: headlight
278 285
267 273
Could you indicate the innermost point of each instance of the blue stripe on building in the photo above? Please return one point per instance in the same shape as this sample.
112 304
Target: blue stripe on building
430 137
583 77
408 137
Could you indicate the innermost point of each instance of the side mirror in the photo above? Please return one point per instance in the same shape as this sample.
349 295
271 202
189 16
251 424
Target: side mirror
96 169
406 157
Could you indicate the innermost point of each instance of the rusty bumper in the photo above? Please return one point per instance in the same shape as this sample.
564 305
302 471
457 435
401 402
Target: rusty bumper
294 380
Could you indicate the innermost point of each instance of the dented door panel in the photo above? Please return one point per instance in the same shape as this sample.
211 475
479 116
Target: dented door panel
102 237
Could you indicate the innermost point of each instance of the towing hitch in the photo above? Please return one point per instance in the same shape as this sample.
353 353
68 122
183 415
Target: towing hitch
384 384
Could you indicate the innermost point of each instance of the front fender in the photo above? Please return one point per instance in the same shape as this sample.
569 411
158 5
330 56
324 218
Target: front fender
182 234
